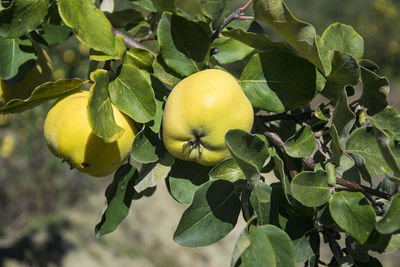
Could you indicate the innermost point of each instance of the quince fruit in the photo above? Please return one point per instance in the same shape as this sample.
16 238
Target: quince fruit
69 136
40 74
198 113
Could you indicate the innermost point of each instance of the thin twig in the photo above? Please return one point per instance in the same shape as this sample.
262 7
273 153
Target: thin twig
329 237
234 15
131 42
285 116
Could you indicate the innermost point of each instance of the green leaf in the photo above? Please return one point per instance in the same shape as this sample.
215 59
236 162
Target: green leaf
302 144
311 188
146 147
100 111
260 200
51 35
375 92
384 145
279 81
394 244
343 117
258 41
140 58
363 142
132 94
388 120
125 17
215 10
390 223
101 56
151 174
306 246
81 16
17 56
146 4
345 39
227 170
22 17
300 35
165 73
360 165
211 216
336 147
242 243
119 196
43 93
184 44
279 171
161 91
249 151
345 71
164 5
230 50
352 213
184 178
270 246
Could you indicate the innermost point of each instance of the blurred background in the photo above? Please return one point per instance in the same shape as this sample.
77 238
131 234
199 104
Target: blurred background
49 211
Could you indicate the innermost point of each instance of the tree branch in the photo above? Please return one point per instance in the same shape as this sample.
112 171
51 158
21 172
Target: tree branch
285 116
237 14
310 164
131 42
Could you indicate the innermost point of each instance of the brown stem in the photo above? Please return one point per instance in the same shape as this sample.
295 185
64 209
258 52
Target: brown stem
284 116
131 42
310 164
329 237
234 15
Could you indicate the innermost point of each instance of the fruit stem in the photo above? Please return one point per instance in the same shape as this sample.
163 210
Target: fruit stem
193 143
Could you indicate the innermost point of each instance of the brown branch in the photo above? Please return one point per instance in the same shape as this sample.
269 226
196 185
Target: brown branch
285 116
310 164
237 14
131 42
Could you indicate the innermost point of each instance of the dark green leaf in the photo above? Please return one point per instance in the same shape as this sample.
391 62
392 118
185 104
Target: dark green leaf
270 246
302 144
81 15
375 91
51 35
394 243
311 188
184 178
279 81
22 17
345 39
122 18
17 56
119 47
391 221
230 50
133 95
360 165
343 117
258 41
306 246
146 4
260 200
119 196
358 251
100 111
161 91
352 213
164 5
184 44
43 93
215 10
211 216
227 170
279 171
249 151
345 71
301 35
